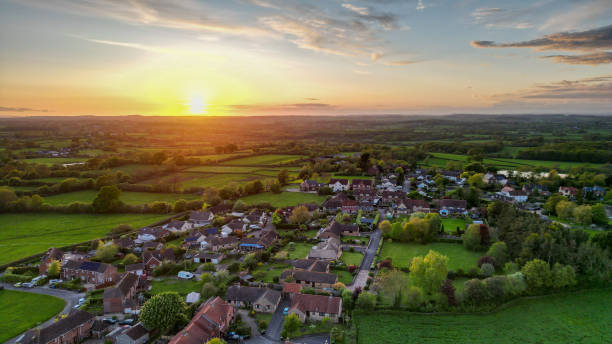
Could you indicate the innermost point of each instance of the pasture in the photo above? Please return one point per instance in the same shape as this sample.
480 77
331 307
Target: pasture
583 317
53 161
402 253
22 235
441 159
263 160
283 199
128 197
202 180
17 315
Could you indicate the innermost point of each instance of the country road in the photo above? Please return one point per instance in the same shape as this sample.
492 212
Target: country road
364 269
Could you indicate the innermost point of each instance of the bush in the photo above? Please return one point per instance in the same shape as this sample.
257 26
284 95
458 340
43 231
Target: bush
13 278
475 292
487 260
487 269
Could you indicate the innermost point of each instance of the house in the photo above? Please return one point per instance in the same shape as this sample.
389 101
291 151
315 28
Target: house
337 229
152 245
137 269
310 185
310 265
339 184
69 330
372 171
208 257
350 206
265 240
136 334
124 243
316 307
595 191
409 206
366 206
153 259
364 195
568 191
100 328
120 299
454 176
290 289
518 196
256 218
234 226
192 297
51 255
317 280
531 188
259 299
452 206
392 196
212 320
335 203
326 250
195 242
150 233
176 226
89 272
201 218
362 184
222 243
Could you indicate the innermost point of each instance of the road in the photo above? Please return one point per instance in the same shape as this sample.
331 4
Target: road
364 269
70 297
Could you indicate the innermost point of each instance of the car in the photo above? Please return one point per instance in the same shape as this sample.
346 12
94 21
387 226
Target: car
286 311
27 285
36 279
77 306
55 281
185 275
17 285
81 301
110 320
126 322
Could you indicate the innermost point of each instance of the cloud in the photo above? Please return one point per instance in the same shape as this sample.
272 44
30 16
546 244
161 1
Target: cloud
400 62
586 59
502 18
20 109
281 108
574 17
597 89
138 46
420 6
360 10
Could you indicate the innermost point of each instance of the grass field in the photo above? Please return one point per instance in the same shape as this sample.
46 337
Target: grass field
182 287
268 159
22 235
441 159
451 224
200 179
343 276
351 258
128 197
284 199
17 314
53 161
567 318
54 180
223 169
272 270
402 253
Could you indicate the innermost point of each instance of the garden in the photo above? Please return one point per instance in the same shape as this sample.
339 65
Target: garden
458 256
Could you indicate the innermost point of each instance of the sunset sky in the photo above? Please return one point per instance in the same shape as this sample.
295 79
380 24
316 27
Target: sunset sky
284 57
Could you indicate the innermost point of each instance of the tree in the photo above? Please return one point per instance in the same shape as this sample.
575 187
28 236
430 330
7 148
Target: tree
385 227
537 274
162 311
347 299
563 276
598 214
106 253
476 180
208 290
54 268
487 269
551 204
283 177
583 214
216 341
130 258
499 252
291 326
471 238
299 215
239 206
475 292
107 199
565 209
430 272
6 196
276 188
366 301
448 289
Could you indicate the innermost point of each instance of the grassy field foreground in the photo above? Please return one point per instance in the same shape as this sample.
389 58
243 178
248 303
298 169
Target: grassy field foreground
584 317
21 311
22 235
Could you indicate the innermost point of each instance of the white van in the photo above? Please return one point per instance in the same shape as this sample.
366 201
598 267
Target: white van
185 275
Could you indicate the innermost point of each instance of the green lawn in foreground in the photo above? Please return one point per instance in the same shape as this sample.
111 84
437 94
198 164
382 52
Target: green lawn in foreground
458 257
343 276
22 235
351 258
284 199
22 311
128 197
584 317
183 287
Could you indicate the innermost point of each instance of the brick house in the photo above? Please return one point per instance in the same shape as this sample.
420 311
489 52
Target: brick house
212 320
120 299
72 329
89 272
452 206
362 184
51 255
350 206
316 307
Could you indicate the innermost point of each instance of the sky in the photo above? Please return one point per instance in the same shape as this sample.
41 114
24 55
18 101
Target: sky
317 57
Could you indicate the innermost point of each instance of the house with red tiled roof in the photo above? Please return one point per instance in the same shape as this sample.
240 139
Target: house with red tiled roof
316 307
212 320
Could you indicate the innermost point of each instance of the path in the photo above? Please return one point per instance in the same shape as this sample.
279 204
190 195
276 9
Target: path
244 314
70 297
364 269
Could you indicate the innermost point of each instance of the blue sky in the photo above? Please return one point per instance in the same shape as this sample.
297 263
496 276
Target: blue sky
241 57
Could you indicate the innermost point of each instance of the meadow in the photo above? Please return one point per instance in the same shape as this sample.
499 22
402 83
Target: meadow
128 197
53 161
262 160
17 316
200 179
441 159
22 235
583 317
402 253
283 199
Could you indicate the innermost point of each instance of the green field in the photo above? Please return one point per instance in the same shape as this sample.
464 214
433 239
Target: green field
441 159
223 169
272 270
284 199
351 258
343 276
17 314
128 197
22 235
458 257
55 180
182 287
301 250
200 179
53 161
584 317
268 159
451 224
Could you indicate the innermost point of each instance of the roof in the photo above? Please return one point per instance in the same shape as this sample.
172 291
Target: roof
311 265
74 319
54 254
294 288
311 276
134 267
251 294
341 181
212 318
365 182
136 332
200 215
316 303
338 228
453 203
124 286
86 265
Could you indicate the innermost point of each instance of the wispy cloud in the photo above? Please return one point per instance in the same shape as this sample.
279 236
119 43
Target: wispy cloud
597 89
296 108
420 5
20 109
400 62
494 17
360 10
149 48
580 14
585 59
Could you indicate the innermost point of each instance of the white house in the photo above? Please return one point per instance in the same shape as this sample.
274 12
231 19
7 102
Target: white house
175 226
339 184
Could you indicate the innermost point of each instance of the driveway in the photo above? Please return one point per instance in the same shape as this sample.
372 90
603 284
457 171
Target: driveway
275 326
364 269
71 298
312 339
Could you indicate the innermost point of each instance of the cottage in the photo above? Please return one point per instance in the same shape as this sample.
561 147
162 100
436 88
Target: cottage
317 280
53 254
201 218
309 185
362 184
339 184
234 226
326 250
310 265
452 206
72 329
259 299
120 299
336 229
316 307
89 272
136 334
212 320
175 226
208 257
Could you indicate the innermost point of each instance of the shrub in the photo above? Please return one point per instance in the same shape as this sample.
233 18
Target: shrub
510 268
537 274
499 252
487 260
496 286
475 292
448 289
487 269
515 284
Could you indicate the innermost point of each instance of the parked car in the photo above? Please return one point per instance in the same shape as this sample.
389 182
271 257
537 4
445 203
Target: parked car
81 301
126 322
36 279
286 311
110 320
55 281
185 275
27 285
17 285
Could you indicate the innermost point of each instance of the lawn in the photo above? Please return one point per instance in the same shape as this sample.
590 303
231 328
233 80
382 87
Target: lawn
223 169
458 257
351 258
22 235
272 270
18 315
451 224
567 318
200 179
284 199
300 252
261 160
128 197
183 287
343 276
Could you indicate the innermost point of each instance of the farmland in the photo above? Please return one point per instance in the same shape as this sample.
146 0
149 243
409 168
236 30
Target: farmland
458 257
198 179
22 235
53 161
17 315
133 198
441 159
283 199
262 160
571 318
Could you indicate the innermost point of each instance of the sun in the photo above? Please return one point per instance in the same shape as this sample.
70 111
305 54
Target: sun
196 104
